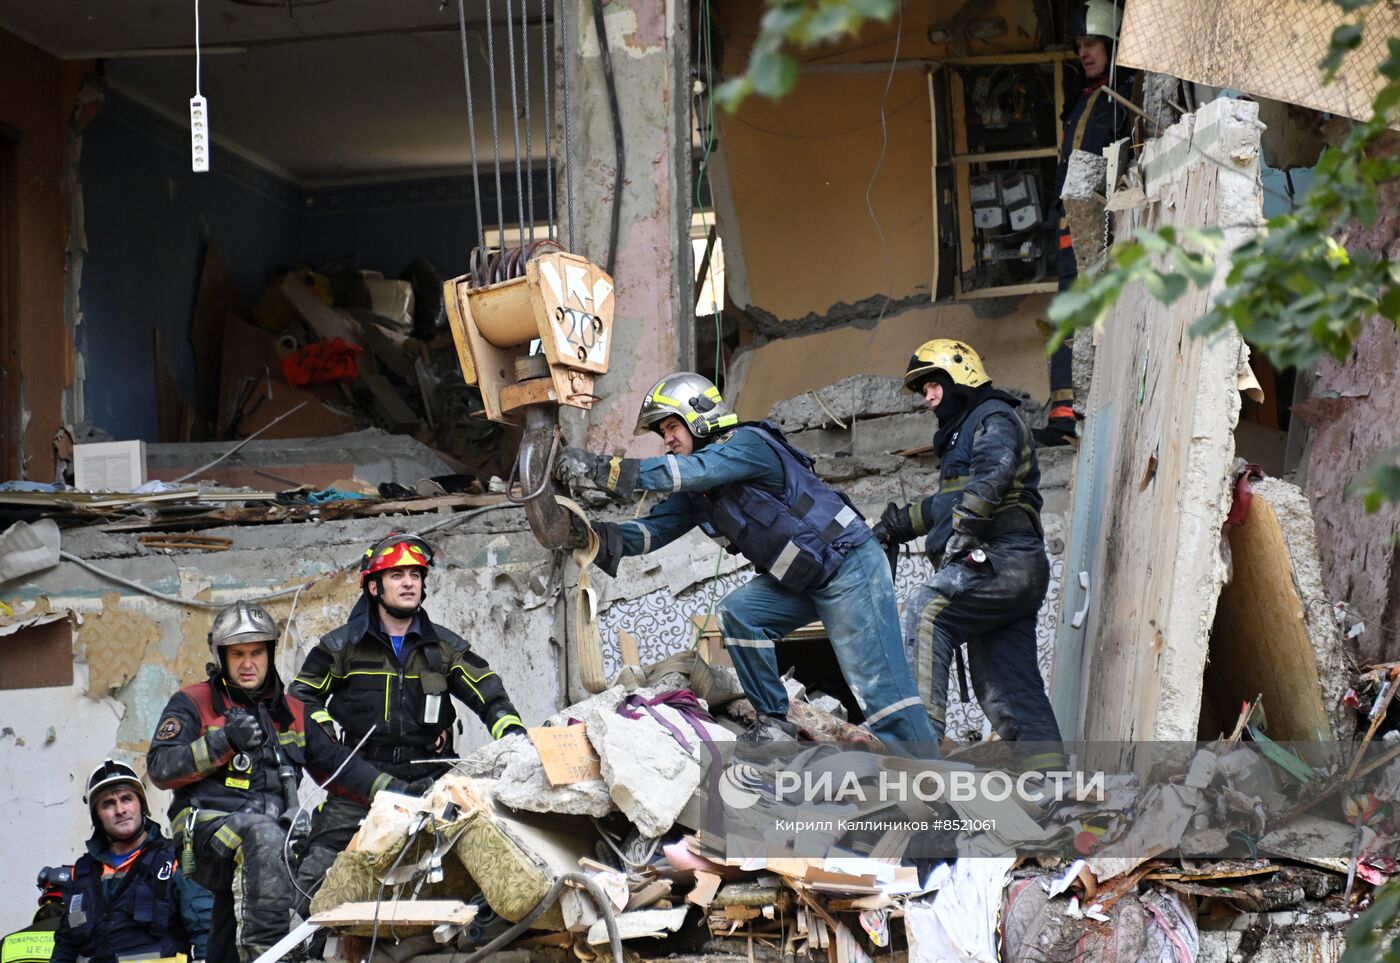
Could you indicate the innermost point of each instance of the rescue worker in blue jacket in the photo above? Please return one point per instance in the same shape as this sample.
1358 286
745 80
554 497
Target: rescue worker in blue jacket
982 531
1092 121
746 487
232 750
128 897
34 943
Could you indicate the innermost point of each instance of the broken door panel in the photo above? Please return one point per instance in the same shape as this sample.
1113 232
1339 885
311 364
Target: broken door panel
1170 402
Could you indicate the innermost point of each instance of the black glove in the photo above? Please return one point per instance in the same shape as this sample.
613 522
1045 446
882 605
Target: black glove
609 546
573 464
895 526
244 731
969 527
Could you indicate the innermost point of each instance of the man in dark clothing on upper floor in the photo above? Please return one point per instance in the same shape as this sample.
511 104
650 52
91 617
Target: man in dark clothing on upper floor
1092 121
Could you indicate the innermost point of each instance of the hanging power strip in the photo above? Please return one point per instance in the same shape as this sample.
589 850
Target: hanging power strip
199 134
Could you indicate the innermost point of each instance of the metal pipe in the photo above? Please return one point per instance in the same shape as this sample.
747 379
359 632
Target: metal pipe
549 523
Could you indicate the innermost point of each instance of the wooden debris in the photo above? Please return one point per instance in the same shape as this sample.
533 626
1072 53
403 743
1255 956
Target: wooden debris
186 543
424 912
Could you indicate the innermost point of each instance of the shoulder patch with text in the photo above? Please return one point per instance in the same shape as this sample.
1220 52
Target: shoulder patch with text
169 728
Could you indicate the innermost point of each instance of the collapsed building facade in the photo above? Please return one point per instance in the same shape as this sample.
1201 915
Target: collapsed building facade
844 218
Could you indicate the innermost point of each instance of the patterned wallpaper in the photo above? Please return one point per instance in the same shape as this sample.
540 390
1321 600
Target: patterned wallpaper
661 624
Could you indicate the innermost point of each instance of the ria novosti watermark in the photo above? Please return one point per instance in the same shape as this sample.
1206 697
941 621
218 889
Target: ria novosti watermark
957 785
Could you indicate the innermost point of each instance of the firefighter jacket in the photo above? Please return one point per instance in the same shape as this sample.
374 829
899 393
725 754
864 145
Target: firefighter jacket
353 676
138 904
34 943
191 755
986 463
755 494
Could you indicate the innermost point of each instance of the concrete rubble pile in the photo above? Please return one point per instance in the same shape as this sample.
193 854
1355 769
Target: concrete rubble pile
1221 845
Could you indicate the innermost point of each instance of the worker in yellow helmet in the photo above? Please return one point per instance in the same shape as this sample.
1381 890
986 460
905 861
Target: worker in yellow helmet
982 531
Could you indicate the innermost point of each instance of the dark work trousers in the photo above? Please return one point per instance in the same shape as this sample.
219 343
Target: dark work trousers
1062 361
992 608
223 929
239 858
336 822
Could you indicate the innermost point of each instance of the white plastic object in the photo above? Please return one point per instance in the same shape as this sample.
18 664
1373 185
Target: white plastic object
199 134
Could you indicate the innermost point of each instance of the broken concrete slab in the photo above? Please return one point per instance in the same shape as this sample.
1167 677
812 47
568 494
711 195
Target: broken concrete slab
649 776
859 396
1285 937
521 782
870 436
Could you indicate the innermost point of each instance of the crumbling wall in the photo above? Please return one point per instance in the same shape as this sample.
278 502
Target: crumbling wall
1354 417
1172 404
491 584
37 93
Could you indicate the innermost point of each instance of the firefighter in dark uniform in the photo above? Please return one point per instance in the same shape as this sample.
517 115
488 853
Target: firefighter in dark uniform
1092 121
34 943
983 533
748 488
128 897
392 670
232 749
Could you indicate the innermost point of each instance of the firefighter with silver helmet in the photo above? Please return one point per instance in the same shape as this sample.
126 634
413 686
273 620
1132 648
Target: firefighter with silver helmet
1092 121
128 897
748 488
232 750
34 943
982 532
392 672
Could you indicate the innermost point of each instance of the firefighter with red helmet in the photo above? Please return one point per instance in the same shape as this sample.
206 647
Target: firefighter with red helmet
391 672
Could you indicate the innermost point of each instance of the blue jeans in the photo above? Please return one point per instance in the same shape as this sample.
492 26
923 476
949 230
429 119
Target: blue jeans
857 607
993 608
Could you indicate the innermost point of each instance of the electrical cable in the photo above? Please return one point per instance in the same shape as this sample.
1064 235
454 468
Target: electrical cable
110 576
287 840
198 57
620 176
736 118
379 898
471 119
875 174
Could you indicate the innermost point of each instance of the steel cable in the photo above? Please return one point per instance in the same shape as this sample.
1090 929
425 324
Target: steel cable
471 120
547 58
495 127
529 144
515 125
568 120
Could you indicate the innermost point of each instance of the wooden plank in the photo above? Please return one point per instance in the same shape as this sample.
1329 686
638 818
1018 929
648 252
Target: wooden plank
217 301
1008 290
988 157
1229 872
423 912
1259 643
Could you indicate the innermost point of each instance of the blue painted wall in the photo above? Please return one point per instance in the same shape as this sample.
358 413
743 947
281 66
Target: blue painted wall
147 217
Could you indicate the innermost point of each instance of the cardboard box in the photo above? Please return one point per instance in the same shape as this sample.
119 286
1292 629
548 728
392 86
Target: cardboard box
116 466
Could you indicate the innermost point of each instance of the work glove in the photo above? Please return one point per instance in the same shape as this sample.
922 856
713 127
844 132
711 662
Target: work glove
609 546
969 526
418 787
615 475
323 719
895 526
244 731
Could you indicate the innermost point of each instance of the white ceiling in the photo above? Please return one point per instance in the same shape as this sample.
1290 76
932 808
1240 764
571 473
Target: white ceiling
337 89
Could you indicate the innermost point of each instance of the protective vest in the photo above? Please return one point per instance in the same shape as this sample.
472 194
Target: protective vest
133 917
800 537
249 781
34 943
1020 506
406 701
